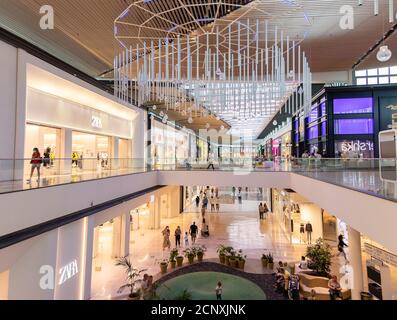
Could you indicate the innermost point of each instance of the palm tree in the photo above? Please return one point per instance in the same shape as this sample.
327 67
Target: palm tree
133 276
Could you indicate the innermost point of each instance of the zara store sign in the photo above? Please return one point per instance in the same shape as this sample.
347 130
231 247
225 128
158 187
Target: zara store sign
96 122
357 146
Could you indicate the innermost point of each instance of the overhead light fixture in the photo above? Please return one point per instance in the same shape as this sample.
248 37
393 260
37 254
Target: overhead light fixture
384 54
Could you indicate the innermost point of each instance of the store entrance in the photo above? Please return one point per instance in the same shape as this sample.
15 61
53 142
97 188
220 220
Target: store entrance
46 139
90 152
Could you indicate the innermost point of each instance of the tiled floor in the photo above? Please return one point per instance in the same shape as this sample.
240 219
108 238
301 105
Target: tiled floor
236 225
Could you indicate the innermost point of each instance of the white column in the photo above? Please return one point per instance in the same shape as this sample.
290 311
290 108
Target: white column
157 216
138 139
20 116
174 202
66 151
116 239
125 234
355 260
115 152
387 283
91 251
8 93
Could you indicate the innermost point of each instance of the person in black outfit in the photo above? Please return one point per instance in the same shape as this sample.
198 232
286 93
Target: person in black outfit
341 247
193 232
309 230
197 201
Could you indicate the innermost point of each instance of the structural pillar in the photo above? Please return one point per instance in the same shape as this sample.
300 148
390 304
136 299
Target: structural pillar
115 154
65 165
116 245
355 260
125 234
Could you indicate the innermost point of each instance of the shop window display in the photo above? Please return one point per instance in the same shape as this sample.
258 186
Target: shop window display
353 105
353 149
354 126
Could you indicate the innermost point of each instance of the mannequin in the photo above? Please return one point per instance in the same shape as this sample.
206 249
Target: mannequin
309 230
302 233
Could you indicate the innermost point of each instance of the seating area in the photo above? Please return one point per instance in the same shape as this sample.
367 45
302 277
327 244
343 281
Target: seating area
319 285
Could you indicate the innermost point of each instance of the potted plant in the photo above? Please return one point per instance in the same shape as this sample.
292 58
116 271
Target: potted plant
232 259
264 260
241 259
173 255
320 257
200 250
222 253
164 266
190 254
179 261
270 261
227 253
133 278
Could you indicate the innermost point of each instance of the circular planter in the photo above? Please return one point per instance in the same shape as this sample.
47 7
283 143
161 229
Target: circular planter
190 259
179 261
227 261
163 267
200 257
241 264
222 258
173 264
233 262
264 263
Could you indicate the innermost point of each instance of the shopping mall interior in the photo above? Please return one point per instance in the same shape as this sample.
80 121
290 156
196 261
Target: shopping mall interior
198 150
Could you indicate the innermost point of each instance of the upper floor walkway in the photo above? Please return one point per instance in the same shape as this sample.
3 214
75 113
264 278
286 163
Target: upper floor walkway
376 177
360 192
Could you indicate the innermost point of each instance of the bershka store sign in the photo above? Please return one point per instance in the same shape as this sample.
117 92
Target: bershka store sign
357 146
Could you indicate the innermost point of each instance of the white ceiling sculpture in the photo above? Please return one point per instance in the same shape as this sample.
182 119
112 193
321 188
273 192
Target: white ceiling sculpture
234 61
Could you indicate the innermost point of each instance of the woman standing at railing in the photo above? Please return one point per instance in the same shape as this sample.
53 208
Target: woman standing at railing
36 162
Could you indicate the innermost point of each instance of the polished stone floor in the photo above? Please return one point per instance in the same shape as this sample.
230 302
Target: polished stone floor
236 225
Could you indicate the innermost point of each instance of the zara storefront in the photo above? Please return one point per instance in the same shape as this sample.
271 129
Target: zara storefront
80 129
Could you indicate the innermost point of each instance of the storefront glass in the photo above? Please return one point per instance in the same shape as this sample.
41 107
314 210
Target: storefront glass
94 150
354 149
42 138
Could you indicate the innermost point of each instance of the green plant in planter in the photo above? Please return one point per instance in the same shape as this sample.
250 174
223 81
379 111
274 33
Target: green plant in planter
133 278
223 252
241 259
232 255
173 254
264 260
179 261
164 266
190 254
200 250
270 261
320 255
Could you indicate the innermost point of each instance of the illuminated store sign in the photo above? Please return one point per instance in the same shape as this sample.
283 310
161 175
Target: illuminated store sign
67 272
96 122
357 146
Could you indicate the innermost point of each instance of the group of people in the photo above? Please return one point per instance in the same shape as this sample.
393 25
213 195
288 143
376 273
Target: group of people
263 211
213 200
289 284
193 231
37 160
311 155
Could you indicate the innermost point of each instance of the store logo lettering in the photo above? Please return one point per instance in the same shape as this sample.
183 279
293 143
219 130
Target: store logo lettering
96 122
357 146
67 272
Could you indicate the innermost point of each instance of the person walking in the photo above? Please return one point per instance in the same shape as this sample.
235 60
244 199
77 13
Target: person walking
261 211
212 201
265 210
341 247
166 238
211 161
178 233
197 201
186 238
36 162
217 204
193 232
46 158
205 202
218 291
